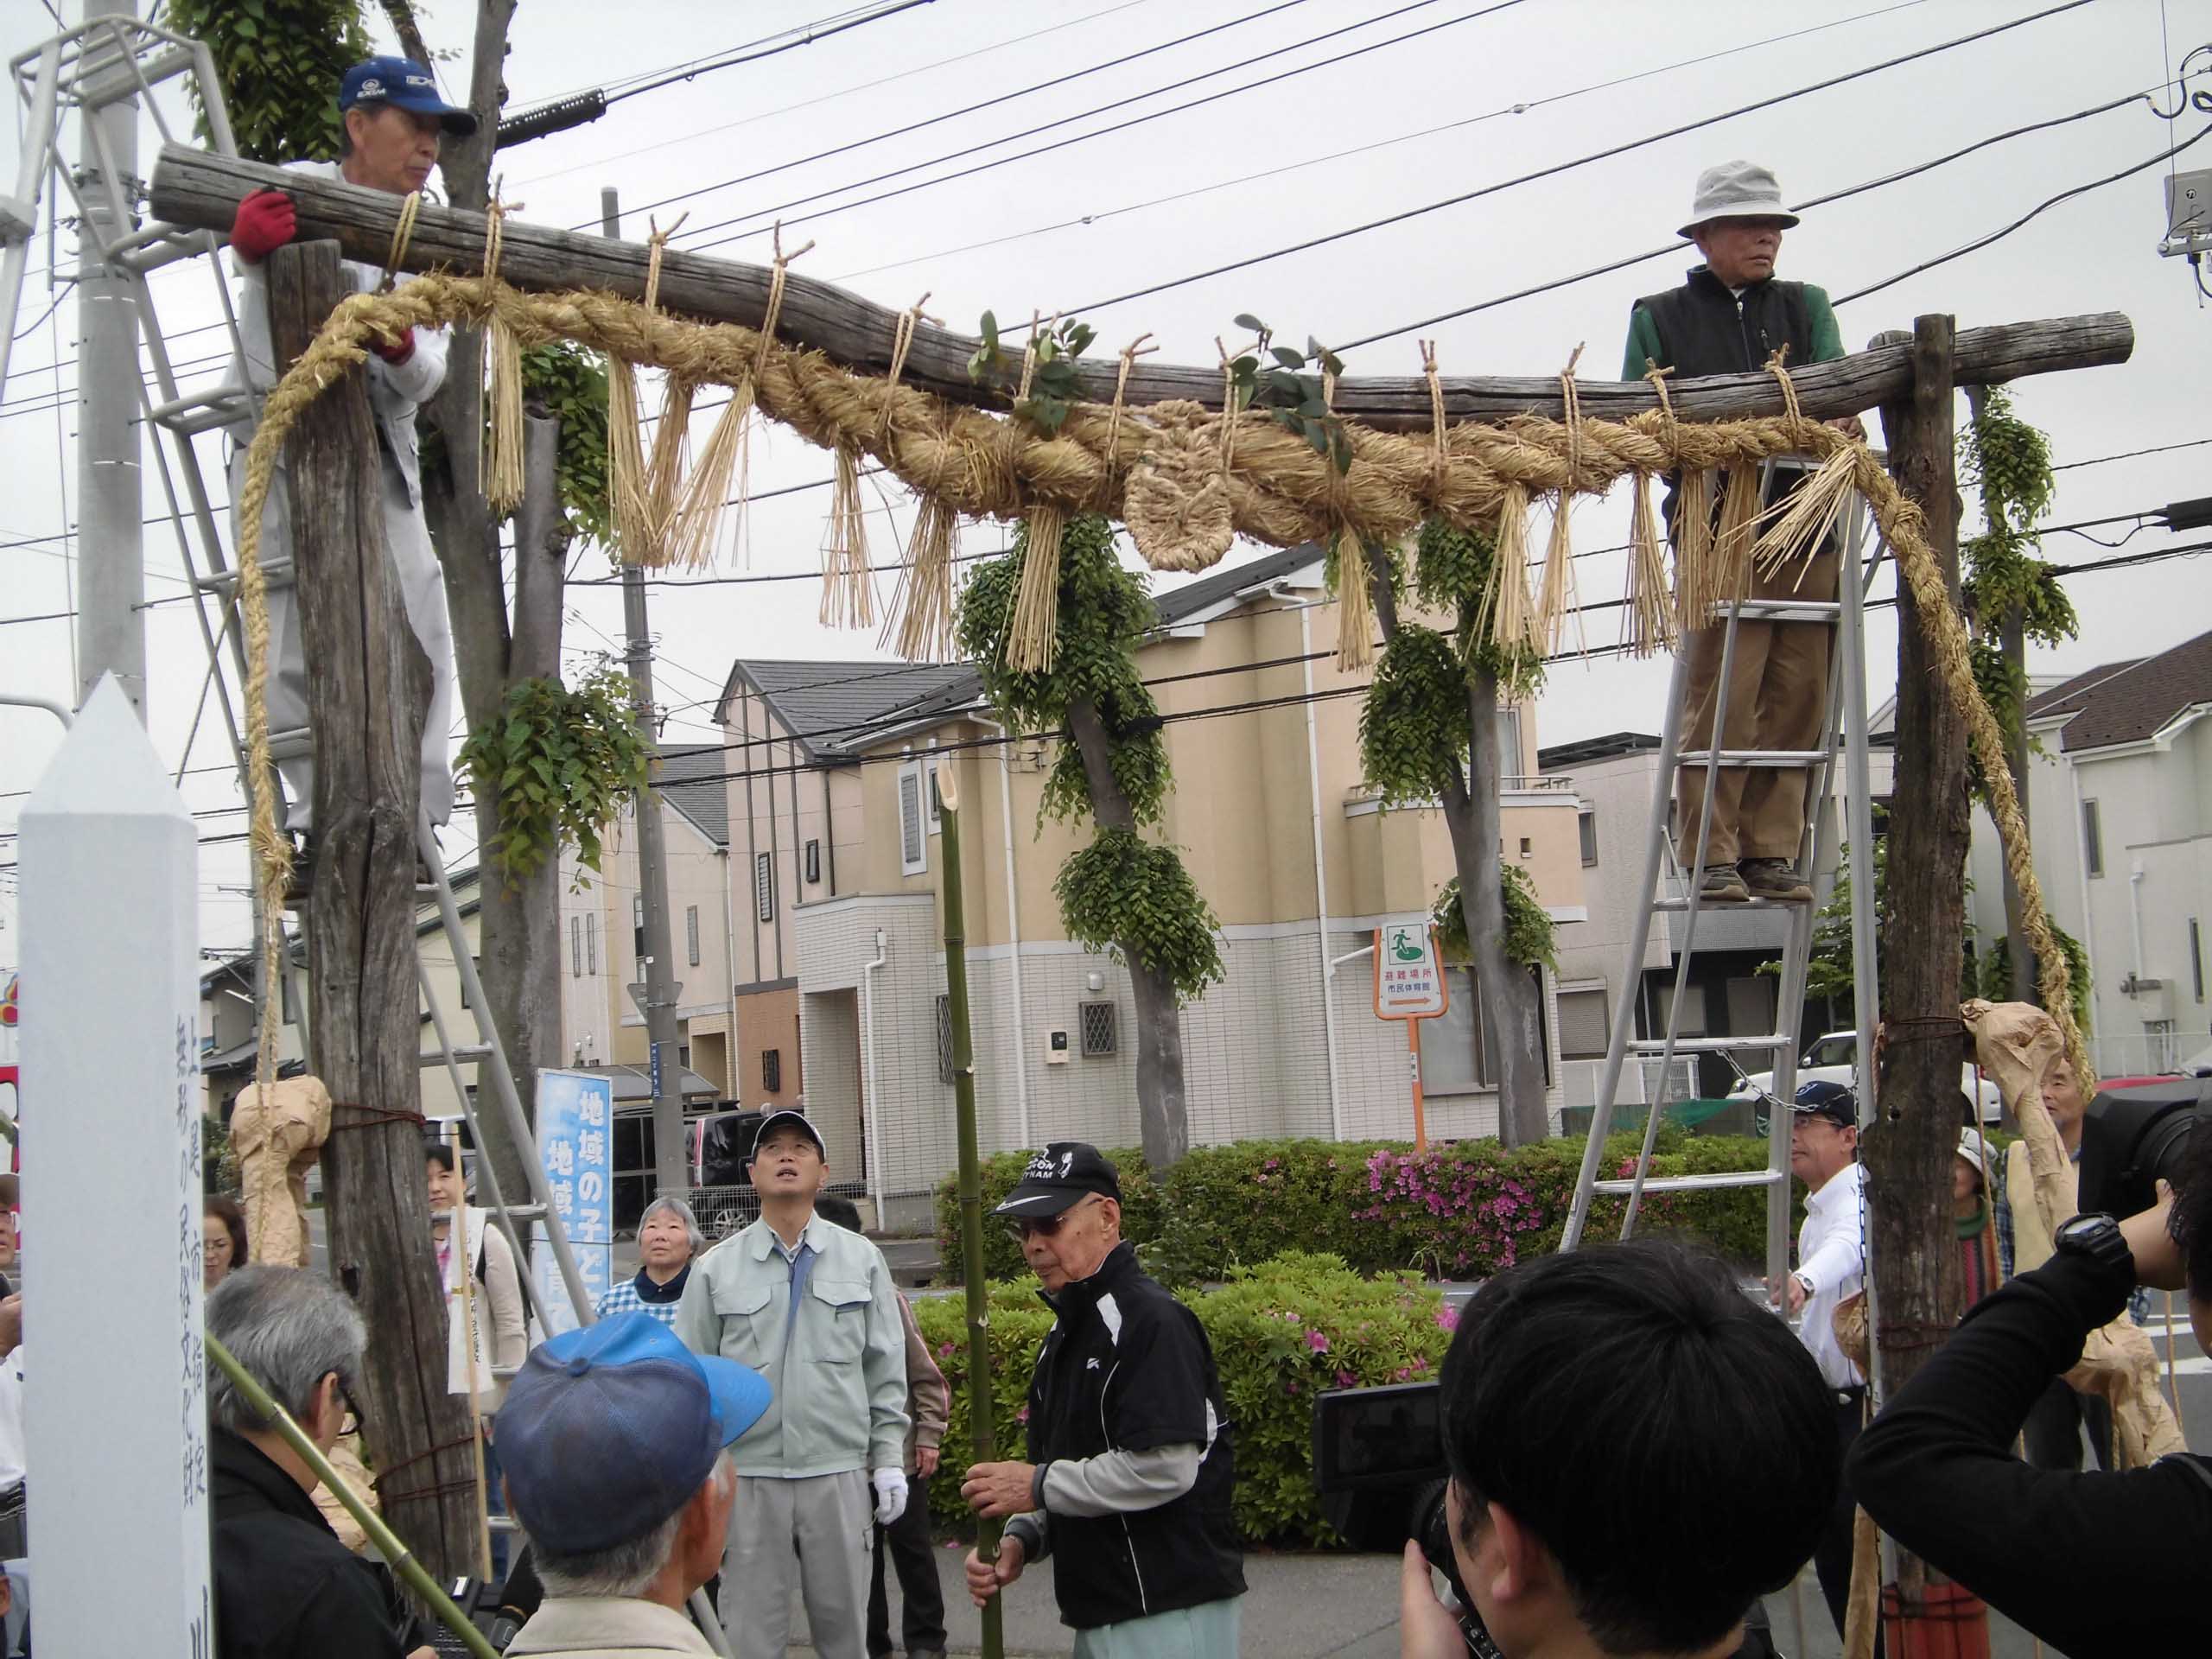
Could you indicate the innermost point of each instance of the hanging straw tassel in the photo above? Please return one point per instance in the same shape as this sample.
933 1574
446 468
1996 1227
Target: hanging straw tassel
1811 513
638 525
1557 598
1650 617
920 626
1032 633
1739 517
1696 581
847 597
502 482
1506 610
1354 605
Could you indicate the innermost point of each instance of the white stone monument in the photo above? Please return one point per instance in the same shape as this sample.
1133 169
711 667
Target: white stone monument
116 1378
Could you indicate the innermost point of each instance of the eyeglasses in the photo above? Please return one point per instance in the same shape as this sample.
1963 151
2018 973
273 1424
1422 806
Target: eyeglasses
1045 1226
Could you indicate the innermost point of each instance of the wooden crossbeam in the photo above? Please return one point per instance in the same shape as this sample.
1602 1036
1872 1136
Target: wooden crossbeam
201 190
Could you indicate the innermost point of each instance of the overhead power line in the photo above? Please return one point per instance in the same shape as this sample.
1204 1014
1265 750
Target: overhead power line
1557 168
1100 132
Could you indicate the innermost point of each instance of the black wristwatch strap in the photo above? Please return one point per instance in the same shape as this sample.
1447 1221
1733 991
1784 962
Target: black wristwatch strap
2097 1238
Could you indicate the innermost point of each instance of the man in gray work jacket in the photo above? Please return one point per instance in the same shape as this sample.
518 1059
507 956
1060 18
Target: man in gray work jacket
1127 1484
811 1307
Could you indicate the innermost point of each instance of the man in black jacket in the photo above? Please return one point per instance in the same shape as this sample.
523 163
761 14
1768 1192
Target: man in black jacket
1728 318
1127 1479
2096 1563
285 1588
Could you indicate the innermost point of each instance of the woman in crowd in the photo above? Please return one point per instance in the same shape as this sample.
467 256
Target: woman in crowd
502 1341
668 1237
222 1247
1971 1216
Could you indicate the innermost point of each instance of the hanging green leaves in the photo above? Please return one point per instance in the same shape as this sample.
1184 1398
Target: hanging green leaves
279 63
562 760
1530 938
1275 379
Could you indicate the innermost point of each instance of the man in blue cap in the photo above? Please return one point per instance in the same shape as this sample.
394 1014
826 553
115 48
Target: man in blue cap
615 1441
394 121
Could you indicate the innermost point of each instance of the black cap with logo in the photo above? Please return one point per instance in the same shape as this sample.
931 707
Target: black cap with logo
1064 1173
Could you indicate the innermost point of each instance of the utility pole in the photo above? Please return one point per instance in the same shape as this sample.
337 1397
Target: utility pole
111 568
656 995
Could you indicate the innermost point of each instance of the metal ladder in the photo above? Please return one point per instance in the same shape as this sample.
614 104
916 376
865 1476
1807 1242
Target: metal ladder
1847 691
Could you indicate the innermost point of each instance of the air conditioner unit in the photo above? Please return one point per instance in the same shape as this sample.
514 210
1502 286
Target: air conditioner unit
2152 1000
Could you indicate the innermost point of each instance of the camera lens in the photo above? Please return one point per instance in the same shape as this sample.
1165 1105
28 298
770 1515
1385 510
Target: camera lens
1432 1528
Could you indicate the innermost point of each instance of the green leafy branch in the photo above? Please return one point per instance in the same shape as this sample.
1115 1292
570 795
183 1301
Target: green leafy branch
1055 387
1275 379
279 63
562 761
570 384
1530 935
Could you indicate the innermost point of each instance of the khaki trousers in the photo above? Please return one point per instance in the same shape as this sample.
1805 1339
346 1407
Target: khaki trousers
814 1535
1777 698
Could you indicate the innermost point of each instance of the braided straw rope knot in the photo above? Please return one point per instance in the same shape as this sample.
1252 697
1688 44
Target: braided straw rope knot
1278 490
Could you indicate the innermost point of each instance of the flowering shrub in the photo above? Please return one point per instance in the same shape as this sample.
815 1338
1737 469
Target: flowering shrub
1282 1332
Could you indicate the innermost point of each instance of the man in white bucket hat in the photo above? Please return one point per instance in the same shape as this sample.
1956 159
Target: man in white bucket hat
1729 317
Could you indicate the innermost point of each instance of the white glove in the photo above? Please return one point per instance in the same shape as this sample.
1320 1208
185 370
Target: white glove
890 1495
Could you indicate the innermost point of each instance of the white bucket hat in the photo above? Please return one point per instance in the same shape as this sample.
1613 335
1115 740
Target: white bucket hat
1737 190
1971 1149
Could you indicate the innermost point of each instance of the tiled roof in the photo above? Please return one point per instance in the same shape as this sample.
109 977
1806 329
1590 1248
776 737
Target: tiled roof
2142 699
1207 591
2066 697
706 802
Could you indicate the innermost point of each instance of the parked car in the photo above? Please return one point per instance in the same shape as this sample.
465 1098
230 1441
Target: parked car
1833 1059
717 1150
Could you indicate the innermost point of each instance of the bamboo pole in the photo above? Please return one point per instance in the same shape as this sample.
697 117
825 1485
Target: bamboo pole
396 1555
457 1235
982 1430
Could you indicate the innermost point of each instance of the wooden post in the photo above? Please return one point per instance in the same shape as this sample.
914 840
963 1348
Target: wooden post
1908 1148
366 701
115 1383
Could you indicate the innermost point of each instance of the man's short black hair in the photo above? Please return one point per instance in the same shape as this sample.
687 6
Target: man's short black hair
1670 1442
843 1212
2191 1221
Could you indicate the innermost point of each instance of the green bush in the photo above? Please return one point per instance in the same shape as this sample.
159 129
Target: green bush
1463 1210
1002 1172
1282 1332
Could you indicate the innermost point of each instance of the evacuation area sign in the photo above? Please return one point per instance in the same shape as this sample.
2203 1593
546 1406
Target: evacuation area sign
1408 976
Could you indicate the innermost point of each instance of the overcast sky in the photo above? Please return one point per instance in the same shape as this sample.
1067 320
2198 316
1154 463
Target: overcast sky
1475 100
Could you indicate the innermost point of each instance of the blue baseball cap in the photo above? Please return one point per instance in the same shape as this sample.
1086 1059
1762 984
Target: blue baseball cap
1821 1098
608 1431
404 84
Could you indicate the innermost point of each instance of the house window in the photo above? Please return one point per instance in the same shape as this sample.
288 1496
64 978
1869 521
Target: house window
813 862
764 885
1527 847
576 947
2196 958
692 933
2093 840
1100 1028
937 801
772 1070
945 1072
913 846
1509 746
1451 1059
637 932
1662 1000
591 942
1583 1025
683 1057
1586 825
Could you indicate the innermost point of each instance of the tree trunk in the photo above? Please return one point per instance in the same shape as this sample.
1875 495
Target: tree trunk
519 927
1909 1149
367 700
1507 987
1162 1116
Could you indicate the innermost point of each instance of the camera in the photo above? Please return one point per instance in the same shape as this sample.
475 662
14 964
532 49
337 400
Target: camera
1379 1467
2134 1137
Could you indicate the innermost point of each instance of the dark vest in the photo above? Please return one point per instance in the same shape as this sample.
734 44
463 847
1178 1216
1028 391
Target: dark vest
1704 329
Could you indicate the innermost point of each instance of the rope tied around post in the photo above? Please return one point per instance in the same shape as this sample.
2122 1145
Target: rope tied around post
1557 598
1812 512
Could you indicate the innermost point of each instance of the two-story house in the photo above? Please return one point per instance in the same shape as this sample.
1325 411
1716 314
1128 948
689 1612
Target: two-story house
2119 810
1300 861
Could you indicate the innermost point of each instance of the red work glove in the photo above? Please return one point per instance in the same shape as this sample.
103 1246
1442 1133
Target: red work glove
265 222
397 351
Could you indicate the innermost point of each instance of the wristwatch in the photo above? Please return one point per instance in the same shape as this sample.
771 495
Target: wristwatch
2097 1238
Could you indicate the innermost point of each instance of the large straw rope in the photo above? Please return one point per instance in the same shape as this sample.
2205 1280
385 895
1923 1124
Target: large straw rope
1280 492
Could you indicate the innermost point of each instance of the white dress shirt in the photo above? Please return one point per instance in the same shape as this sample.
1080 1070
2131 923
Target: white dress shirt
1832 1258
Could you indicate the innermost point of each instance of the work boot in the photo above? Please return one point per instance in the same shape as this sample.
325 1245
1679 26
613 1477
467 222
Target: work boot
1773 878
299 887
1718 884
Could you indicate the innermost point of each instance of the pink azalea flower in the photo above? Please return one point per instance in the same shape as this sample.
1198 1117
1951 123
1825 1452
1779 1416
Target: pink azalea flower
1021 1416
1317 1341
1448 1317
1346 1379
945 1350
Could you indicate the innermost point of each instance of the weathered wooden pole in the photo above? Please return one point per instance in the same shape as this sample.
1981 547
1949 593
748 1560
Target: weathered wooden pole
1909 1147
115 1390
367 698
982 1431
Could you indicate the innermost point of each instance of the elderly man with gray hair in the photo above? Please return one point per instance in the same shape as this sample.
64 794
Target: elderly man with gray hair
615 1440
668 1237
285 1586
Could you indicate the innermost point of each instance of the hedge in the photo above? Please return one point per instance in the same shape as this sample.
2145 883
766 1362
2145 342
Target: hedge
1463 1210
1282 1332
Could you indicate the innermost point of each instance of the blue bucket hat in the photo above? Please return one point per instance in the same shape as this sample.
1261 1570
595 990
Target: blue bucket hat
404 84
608 1431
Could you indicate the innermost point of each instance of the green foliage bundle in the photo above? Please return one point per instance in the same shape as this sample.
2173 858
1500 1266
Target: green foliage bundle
279 63
1121 893
1452 572
561 760
1281 1334
570 384
1465 1210
1275 379
1993 973
1530 936
1054 386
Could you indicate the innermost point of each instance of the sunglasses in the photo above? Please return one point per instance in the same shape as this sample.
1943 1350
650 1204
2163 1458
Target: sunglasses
1045 1226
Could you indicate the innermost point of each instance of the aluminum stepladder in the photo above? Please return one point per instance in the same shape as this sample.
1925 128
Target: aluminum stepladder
1846 695
87 69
